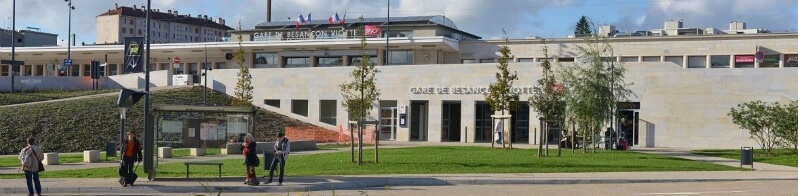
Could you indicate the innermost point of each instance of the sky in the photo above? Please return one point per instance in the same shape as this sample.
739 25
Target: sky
485 18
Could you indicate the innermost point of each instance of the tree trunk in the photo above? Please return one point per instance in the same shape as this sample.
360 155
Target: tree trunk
492 135
376 144
559 139
352 141
540 140
546 137
360 145
573 138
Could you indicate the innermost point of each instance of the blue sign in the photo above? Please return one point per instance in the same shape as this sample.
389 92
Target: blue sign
68 62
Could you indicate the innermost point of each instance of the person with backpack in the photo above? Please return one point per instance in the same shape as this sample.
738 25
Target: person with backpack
31 159
251 160
281 149
131 152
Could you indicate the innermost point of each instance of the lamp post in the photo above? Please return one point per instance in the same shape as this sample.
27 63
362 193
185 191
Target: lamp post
13 40
205 74
69 29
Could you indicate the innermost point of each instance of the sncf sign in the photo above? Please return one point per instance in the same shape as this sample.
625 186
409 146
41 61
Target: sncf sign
372 30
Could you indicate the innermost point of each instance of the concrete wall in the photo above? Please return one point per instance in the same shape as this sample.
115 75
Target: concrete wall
108 30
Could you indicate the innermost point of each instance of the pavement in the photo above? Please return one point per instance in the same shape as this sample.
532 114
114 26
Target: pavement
92 186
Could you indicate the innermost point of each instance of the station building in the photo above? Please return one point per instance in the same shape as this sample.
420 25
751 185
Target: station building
433 76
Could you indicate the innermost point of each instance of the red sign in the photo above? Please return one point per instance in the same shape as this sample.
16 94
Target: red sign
373 30
176 59
744 58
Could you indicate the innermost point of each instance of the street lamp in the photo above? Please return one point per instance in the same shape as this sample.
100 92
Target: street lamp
69 29
13 41
205 87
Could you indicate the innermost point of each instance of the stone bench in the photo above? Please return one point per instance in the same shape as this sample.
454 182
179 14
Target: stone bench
197 152
91 156
51 159
164 152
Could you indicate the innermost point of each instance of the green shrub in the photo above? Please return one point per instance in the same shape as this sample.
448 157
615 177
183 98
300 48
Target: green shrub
77 125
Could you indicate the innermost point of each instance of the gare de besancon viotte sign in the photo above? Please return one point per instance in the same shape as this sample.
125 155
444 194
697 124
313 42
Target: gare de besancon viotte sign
474 90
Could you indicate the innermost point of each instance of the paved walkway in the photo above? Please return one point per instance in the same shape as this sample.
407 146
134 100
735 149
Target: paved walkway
299 184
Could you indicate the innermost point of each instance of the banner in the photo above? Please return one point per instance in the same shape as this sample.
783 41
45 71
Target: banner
372 30
133 52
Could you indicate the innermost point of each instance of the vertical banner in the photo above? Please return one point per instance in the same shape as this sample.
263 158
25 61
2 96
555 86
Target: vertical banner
133 51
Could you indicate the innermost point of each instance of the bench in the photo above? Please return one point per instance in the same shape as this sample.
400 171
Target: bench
204 163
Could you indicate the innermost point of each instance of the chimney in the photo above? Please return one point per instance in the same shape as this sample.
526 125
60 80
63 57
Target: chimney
169 11
220 21
176 13
134 7
143 8
205 17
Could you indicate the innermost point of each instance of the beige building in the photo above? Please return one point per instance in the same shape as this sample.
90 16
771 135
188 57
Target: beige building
166 27
433 76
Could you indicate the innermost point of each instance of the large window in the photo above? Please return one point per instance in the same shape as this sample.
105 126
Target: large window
400 57
266 60
629 59
770 61
355 60
299 107
112 70
272 102
329 61
744 61
791 60
651 59
297 62
697 62
487 60
720 61
328 111
398 33
678 60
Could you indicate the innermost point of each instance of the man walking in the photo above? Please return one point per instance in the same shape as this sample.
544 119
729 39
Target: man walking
131 151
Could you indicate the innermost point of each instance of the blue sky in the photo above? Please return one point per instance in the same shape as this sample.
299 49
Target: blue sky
486 18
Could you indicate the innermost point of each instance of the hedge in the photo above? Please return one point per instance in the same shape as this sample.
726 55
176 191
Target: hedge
84 124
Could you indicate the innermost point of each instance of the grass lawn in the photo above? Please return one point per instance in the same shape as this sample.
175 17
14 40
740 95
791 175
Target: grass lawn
27 96
431 160
778 156
336 146
77 157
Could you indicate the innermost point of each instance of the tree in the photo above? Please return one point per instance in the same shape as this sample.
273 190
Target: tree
595 85
360 92
548 100
243 92
757 118
583 27
785 124
500 96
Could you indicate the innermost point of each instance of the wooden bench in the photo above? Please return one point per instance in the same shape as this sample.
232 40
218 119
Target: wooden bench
204 163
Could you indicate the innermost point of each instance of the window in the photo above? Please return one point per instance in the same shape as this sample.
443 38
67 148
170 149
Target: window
791 60
272 102
222 66
112 70
487 60
675 59
571 59
651 59
400 57
192 69
196 30
744 61
629 59
131 31
544 59
770 61
297 62
329 61
609 59
266 60
697 62
468 61
398 33
328 111
299 107
526 59
139 31
124 30
355 60
132 21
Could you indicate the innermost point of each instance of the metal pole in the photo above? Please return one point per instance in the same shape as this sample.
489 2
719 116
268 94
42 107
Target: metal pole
205 87
387 31
148 136
13 40
69 31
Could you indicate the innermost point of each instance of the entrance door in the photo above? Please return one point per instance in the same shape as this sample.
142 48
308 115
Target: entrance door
519 125
418 120
450 121
628 121
482 122
388 122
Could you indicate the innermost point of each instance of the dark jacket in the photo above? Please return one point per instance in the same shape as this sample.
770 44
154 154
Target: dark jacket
251 158
136 150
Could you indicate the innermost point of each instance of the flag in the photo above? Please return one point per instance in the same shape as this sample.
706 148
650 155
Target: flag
133 50
308 20
300 20
343 20
334 19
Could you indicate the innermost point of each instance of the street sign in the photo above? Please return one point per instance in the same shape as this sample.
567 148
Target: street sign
176 59
68 62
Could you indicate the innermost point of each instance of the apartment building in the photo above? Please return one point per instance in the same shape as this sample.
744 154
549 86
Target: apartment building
116 24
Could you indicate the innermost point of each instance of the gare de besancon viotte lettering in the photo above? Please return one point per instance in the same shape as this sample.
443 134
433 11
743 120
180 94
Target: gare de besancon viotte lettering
468 90
342 33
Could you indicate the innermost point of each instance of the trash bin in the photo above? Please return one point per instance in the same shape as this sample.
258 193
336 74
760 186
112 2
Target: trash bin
747 156
110 150
268 157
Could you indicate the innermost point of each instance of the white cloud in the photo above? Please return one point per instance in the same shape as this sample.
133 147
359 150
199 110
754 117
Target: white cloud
776 15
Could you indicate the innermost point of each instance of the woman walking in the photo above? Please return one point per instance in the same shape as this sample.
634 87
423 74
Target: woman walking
250 159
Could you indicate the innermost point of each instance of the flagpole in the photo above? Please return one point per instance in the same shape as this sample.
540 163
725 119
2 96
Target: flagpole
387 31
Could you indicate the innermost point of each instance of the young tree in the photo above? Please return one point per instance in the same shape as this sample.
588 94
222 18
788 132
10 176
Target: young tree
757 118
548 99
500 96
360 92
785 124
243 92
583 27
595 85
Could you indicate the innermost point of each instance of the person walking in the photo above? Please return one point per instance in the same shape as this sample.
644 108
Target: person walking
251 160
281 149
131 152
30 157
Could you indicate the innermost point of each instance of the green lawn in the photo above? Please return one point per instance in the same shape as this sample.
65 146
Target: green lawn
27 96
337 146
430 160
778 156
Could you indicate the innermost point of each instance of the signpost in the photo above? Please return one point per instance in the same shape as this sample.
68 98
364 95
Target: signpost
176 60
